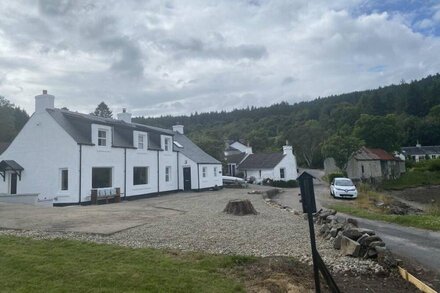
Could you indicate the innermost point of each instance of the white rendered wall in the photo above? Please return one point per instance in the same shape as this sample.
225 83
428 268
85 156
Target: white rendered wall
197 179
42 148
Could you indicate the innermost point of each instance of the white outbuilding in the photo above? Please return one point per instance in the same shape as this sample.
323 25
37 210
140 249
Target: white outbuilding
63 156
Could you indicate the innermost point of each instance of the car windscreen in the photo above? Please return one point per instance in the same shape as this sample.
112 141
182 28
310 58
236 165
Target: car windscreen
343 183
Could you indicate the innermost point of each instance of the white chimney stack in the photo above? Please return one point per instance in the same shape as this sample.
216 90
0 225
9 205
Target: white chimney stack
43 102
287 149
124 116
178 128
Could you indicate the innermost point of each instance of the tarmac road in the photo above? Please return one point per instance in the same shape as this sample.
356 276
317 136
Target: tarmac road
421 246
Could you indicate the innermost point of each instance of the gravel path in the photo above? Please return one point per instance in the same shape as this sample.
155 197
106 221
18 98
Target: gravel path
201 226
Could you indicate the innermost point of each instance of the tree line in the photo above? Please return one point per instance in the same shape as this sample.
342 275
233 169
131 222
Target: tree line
388 117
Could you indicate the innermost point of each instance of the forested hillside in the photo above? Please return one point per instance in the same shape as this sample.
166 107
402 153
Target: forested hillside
12 119
388 117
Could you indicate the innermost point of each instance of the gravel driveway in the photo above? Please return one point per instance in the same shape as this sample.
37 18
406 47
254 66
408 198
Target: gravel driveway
198 224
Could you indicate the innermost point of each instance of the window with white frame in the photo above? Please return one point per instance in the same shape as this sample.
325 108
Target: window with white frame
102 177
64 179
141 141
140 175
215 171
102 137
167 173
204 172
166 144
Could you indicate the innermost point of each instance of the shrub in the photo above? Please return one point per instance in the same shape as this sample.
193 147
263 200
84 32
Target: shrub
281 183
332 176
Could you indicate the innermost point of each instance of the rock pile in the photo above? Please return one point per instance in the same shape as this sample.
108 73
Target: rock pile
351 240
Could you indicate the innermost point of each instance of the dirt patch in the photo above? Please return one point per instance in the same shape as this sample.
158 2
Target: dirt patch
282 274
423 195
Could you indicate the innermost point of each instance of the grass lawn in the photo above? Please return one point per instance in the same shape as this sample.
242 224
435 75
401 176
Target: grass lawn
413 179
364 207
28 265
427 221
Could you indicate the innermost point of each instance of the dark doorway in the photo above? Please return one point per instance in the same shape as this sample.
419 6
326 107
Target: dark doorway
187 178
13 183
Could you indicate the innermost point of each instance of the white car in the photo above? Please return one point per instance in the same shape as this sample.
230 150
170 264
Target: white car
228 180
343 188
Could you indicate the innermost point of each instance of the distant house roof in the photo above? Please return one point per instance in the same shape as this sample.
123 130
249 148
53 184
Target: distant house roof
367 154
192 151
421 150
235 159
230 148
261 161
78 126
3 146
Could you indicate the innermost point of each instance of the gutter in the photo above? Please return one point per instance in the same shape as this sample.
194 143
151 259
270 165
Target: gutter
178 172
125 173
80 173
198 175
158 173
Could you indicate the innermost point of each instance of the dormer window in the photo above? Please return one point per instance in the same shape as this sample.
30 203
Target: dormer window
102 137
141 141
167 144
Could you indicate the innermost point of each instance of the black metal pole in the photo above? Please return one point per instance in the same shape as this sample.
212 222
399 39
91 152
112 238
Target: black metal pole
314 252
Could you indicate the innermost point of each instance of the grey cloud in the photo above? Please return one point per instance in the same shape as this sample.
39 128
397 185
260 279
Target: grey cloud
54 7
196 48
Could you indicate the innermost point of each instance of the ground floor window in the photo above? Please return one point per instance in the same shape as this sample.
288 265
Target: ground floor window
215 171
167 174
282 173
64 179
204 172
140 175
101 177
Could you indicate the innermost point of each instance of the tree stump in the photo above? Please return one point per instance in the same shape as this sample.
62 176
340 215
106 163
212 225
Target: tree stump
240 207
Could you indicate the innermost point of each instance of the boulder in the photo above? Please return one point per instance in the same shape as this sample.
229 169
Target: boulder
330 218
324 229
370 253
368 240
325 213
362 239
334 231
337 241
374 244
352 233
367 231
352 221
385 258
350 247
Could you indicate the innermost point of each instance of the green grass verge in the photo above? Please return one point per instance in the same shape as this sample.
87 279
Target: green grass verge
71 266
413 179
425 221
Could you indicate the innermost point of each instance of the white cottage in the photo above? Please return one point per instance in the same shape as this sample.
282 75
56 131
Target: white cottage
275 166
62 156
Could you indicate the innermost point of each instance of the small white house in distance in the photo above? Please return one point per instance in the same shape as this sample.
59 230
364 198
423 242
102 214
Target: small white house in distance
62 156
275 166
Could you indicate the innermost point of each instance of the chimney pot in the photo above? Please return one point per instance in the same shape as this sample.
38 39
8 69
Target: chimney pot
124 116
44 92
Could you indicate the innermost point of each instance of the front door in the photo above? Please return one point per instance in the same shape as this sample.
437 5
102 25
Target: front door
13 183
187 178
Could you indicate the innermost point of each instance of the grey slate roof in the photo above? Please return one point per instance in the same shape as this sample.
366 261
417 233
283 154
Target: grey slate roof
192 151
3 146
236 158
421 151
78 126
261 161
7 165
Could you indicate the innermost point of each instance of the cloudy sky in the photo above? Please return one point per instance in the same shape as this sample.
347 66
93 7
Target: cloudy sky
178 57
